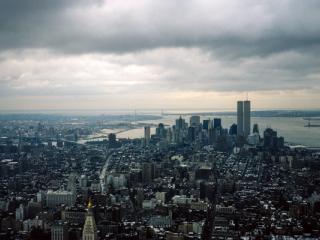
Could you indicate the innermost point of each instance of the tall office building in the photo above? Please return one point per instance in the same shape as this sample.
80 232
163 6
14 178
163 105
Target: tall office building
255 128
112 141
89 229
243 118
191 134
148 172
147 134
161 131
180 124
205 124
246 118
240 118
194 121
217 123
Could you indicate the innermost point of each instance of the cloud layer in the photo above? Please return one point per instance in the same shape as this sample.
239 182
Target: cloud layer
139 49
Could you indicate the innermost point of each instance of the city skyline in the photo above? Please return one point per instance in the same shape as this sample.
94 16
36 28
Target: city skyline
132 177
120 55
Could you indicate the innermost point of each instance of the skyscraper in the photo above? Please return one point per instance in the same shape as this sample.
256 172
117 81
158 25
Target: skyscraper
147 134
240 118
194 120
246 118
205 124
180 124
148 172
112 138
89 229
217 123
255 128
191 134
243 118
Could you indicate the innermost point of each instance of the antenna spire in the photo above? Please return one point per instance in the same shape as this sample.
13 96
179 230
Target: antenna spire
89 204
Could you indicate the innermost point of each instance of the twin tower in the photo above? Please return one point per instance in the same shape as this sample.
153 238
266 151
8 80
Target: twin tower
243 118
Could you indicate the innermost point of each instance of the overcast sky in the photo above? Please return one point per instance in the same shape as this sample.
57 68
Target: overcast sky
105 54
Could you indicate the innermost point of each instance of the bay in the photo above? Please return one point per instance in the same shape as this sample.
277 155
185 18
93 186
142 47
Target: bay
291 128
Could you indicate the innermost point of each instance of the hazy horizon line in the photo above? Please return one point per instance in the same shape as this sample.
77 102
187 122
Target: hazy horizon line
137 110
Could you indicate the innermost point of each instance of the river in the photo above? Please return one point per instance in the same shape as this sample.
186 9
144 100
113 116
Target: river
291 128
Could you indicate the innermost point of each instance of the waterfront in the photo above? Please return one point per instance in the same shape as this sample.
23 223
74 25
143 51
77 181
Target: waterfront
291 128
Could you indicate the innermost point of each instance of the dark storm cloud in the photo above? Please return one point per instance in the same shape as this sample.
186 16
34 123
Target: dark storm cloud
234 28
127 49
32 23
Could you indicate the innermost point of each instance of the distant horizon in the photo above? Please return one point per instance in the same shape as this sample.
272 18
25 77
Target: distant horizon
172 111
